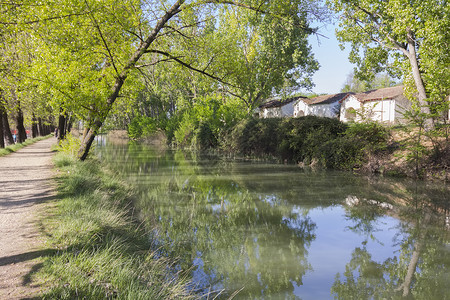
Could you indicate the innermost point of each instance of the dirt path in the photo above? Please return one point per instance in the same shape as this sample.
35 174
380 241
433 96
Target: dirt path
25 187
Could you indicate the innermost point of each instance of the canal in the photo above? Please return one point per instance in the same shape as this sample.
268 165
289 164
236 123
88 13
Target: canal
259 230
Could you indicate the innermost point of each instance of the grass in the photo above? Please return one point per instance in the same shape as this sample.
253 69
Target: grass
100 251
15 147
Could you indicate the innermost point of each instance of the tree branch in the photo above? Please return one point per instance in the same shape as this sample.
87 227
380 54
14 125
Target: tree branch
396 45
103 38
153 63
262 11
43 20
174 58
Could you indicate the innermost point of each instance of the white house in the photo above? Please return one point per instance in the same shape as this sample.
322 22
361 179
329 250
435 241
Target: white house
383 105
277 108
321 106
327 105
301 107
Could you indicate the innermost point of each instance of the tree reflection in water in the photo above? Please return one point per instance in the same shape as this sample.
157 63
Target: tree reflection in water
248 225
421 268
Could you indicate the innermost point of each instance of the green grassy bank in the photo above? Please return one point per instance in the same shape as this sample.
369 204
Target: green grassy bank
99 249
15 147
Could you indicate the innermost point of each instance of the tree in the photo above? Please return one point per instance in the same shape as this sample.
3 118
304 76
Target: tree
353 84
263 53
86 50
6 128
409 38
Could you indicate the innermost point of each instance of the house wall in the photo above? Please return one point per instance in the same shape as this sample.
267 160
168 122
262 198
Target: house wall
273 112
301 109
287 110
330 110
390 111
402 104
349 103
386 111
380 111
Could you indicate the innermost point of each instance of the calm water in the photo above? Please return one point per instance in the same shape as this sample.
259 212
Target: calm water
273 231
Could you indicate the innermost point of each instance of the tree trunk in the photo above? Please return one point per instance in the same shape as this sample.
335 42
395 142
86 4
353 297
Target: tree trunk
7 129
21 131
422 94
34 127
39 127
88 137
47 129
406 285
2 135
98 120
69 122
61 126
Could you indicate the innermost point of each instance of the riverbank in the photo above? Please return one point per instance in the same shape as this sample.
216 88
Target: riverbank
102 251
26 189
324 143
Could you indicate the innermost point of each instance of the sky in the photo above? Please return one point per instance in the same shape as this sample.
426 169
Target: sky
334 64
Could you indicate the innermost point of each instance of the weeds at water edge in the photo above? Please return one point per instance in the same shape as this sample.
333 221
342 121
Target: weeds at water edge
101 252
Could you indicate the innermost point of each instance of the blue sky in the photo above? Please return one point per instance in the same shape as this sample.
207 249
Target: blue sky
334 64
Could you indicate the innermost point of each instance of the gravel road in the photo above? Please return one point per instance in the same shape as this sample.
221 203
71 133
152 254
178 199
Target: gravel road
25 187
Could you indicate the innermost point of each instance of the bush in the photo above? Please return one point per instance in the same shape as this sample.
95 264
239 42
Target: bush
70 145
328 142
341 154
205 136
141 127
206 122
370 136
294 139
309 133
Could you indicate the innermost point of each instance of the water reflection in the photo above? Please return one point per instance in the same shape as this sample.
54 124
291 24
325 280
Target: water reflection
277 232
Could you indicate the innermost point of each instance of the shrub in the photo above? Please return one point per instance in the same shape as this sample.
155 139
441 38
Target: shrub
205 136
309 133
70 145
341 154
370 136
294 139
256 137
207 121
141 126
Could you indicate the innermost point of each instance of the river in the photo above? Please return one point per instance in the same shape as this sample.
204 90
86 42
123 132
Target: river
259 230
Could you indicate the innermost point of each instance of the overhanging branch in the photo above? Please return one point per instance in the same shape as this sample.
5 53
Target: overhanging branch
185 64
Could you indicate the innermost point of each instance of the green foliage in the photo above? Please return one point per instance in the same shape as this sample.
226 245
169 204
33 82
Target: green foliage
141 126
354 84
103 253
264 53
373 136
341 154
310 140
69 145
405 39
83 56
294 139
309 133
207 121
256 137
